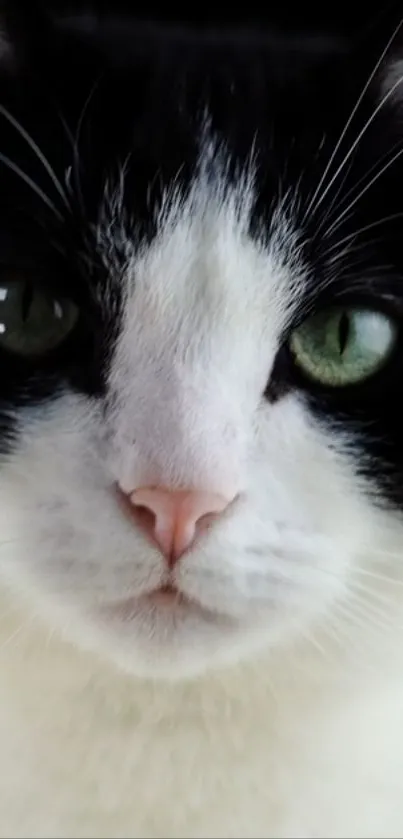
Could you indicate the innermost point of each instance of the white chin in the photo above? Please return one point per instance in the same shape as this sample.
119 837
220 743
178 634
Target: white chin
163 634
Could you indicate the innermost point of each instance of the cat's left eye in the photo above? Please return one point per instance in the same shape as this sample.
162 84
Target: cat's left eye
33 322
341 346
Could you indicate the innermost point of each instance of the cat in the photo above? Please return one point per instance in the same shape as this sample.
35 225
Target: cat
201 480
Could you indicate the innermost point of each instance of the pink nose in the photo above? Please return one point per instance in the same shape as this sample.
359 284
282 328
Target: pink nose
174 519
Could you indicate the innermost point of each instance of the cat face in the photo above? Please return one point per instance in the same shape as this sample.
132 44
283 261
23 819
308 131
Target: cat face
200 292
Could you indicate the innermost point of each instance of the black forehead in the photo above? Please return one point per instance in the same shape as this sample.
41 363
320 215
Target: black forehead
141 87
142 69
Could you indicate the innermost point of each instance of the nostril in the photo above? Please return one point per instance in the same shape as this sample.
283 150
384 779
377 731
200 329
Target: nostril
156 528
144 518
204 523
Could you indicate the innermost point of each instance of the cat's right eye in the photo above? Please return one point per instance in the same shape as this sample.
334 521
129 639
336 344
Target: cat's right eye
33 322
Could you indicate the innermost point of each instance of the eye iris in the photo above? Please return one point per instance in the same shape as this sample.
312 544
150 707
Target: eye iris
340 347
31 321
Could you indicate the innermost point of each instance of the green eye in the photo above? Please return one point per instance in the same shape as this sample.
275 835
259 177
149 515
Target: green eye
341 347
32 322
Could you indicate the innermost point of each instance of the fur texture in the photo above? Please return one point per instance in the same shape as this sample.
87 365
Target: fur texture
198 192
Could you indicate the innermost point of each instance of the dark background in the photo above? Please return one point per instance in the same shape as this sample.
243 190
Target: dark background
350 18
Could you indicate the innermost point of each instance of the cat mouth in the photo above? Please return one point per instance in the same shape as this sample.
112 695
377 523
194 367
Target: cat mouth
167 595
166 599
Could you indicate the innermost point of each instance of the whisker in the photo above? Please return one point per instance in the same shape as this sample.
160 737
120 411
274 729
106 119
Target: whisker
364 229
354 146
35 148
362 618
76 143
360 230
341 631
353 276
370 608
360 195
313 641
66 128
357 184
347 125
382 578
16 169
336 631
16 633
362 572
334 205
367 591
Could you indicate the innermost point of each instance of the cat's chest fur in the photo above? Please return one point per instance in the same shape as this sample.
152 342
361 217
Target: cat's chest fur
86 751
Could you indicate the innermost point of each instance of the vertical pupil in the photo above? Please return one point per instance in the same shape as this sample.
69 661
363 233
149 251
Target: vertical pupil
344 330
26 302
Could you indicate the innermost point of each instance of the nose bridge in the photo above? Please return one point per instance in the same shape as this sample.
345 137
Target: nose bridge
187 432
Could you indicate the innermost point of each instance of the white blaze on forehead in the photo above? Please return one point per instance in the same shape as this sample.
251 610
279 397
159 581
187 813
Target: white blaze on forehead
204 311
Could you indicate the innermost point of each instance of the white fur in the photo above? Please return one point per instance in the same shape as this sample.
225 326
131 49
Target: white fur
273 709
